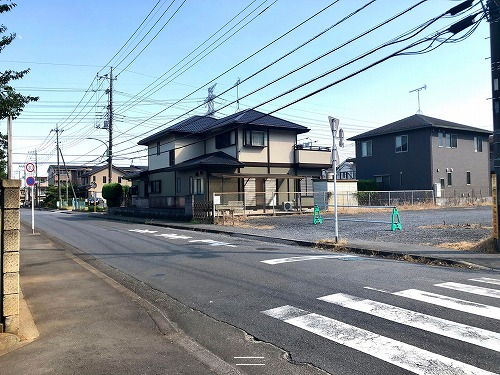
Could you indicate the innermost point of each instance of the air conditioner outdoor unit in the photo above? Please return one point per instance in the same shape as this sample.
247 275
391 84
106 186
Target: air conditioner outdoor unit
287 206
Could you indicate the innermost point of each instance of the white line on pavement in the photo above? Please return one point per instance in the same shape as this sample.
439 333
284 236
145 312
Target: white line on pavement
487 280
307 257
471 289
454 330
406 356
452 303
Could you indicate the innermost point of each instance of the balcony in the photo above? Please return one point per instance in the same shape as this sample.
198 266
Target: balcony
313 155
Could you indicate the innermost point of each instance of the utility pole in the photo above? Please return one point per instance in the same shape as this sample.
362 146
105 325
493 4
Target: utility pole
110 123
57 130
493 14
9 147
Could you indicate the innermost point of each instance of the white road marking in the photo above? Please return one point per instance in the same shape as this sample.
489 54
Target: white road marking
487 280
471 289
457 331
304 258
452 303
143 231
249 364
214 243
406 356
173 236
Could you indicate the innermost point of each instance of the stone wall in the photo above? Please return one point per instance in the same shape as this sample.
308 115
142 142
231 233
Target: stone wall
10 225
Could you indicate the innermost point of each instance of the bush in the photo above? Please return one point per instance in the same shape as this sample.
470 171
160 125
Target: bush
113 194
367 185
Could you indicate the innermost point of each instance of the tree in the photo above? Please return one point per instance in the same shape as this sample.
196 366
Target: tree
113 194
11 102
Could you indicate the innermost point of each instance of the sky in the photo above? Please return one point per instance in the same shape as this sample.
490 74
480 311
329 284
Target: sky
165 54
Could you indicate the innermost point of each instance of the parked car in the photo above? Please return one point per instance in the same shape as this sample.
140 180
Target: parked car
98 201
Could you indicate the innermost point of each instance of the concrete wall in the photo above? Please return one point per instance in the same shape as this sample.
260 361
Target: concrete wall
9 257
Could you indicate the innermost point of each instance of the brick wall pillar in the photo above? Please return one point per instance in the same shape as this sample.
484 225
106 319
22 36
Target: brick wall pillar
10 225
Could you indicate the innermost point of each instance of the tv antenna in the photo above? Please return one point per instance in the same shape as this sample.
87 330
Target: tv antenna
209 101
424 87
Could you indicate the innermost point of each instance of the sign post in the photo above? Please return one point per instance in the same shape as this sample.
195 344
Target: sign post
31 181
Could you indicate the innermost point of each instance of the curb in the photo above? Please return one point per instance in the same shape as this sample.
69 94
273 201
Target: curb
345 248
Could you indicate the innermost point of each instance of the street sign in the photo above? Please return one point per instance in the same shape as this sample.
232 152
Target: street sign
30 167
93 185
30 181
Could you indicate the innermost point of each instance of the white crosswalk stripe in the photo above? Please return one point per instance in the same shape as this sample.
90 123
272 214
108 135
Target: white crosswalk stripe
471 289
398 353
454 330
487 280
406 356
452 303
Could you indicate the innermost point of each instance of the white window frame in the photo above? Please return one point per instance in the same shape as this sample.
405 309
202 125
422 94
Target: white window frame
366 149
401 146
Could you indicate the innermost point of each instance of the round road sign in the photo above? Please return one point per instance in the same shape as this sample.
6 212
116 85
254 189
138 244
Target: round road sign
30 167
30 181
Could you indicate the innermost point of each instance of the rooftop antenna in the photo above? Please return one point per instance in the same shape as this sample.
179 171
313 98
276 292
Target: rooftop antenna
237 95
209 101
424 87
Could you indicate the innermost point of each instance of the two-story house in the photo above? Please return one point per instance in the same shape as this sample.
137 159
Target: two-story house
420 152
247 152
71 173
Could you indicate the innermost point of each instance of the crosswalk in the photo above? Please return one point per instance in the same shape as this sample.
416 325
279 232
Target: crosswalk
396 352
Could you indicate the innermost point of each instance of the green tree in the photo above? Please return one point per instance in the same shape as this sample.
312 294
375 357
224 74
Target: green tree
113 194
11 102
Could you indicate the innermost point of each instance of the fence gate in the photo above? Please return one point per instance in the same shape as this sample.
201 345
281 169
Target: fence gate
202 211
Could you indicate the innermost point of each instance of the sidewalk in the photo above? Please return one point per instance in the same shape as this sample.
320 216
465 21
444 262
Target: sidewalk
89 324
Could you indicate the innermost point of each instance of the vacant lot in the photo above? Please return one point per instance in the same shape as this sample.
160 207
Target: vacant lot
444 227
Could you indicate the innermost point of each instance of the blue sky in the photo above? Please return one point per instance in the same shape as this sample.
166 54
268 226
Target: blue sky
68 44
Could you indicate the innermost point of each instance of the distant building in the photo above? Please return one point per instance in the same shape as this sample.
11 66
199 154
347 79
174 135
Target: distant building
419 152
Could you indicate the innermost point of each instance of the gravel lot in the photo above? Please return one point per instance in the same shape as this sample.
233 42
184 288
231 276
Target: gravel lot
426 227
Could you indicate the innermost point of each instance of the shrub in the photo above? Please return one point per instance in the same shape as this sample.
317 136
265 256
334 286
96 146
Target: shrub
113 194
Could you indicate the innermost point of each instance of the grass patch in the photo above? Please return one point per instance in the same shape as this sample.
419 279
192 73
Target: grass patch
486 245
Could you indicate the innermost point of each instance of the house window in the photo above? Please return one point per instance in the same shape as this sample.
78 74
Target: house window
449 178
478 144
306 186
451 140
103 179
442 183
171 157
191 185
401 143
155 187
198 186
366 148
178 185
158 149
225 139
441 139
255 138
468 177
93 178
119 179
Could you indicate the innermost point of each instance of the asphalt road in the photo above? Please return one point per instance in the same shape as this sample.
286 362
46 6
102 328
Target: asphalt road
343 314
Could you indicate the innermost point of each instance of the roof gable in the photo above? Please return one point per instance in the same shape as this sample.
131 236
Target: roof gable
416 122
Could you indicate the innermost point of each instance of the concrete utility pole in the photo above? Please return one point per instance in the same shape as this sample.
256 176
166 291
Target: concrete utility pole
110 122
110 129
9 147
57 130
493 14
